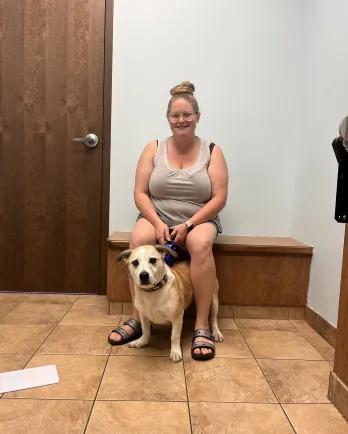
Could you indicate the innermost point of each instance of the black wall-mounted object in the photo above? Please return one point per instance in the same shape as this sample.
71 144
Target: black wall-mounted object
339 146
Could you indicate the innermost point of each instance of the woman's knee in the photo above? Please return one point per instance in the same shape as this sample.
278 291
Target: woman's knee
200 241
142 234
200 246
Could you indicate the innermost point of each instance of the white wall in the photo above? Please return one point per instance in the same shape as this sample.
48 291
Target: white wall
326 103
242 56
271 82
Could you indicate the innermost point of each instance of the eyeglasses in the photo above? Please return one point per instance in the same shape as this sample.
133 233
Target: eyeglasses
176 116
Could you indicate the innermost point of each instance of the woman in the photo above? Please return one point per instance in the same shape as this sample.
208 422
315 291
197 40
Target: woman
181 182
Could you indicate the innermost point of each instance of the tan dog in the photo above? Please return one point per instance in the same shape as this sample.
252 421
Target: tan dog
162 294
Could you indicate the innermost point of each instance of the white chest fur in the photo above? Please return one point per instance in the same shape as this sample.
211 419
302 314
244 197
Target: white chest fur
159 306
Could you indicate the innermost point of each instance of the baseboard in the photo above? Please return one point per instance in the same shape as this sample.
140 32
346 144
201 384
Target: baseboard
338 394
228 311
321 326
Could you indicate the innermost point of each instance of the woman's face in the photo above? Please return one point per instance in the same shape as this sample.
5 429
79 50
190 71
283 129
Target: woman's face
182 118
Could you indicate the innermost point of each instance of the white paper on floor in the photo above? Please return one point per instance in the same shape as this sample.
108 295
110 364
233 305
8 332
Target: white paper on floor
28 378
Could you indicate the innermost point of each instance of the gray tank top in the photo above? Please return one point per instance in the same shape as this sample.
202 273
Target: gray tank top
178 194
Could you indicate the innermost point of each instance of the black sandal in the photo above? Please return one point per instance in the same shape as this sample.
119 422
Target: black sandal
126 337
202 333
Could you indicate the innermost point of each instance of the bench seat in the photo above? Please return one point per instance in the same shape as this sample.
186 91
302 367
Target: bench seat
254 273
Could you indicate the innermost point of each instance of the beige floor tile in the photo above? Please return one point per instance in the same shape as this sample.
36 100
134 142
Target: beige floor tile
316 419
24 340
51 298
245 324
332 362
13 362
77 340
227 380
10 297
35 313
139 418
159 345
224 323
262 312
298 381
227 324
19 416
280 345
233 346
143 379
227 418
79 377
6 307
92 300
301 325
324 348
90 315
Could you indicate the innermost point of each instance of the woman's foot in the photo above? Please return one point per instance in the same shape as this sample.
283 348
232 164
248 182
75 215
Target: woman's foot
203 347
130 331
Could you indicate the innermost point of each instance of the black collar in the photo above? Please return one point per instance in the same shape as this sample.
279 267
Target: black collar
157 286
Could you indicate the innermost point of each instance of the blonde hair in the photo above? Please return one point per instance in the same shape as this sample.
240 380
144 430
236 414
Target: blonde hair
184 91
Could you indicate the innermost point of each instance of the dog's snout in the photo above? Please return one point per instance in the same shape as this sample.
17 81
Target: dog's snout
144 276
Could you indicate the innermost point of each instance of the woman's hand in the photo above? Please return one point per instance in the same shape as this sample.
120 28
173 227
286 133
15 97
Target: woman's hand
179 234
162 232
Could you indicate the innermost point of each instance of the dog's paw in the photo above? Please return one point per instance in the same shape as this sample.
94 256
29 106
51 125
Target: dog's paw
175 356
218 336
138 343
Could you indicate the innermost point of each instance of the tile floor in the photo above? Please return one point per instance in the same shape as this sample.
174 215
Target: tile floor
269 376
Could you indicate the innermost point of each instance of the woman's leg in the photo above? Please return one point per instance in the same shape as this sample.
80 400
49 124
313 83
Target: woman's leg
199 243
142 234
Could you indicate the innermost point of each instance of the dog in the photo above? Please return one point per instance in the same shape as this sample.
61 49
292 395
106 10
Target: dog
163 293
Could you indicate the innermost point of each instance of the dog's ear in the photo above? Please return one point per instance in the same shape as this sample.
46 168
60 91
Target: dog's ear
124 255
165 249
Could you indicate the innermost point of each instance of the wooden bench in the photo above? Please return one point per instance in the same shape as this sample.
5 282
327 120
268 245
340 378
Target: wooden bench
261 277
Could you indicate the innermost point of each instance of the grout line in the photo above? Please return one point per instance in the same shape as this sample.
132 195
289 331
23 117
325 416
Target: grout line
298 332
45 399
54 328
170 402
259 358
187 396
100 382
301 334
286 415
275 396
269 384
14 306
3 316
74 354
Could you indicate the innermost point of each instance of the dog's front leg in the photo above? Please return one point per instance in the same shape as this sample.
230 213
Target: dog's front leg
145 337
175 351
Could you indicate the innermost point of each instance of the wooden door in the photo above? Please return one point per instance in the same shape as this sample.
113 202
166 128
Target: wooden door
53 191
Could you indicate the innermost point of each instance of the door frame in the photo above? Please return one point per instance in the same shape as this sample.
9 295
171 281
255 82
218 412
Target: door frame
106 141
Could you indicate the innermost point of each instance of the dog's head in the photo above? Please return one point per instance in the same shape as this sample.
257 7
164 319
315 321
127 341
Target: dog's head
146 264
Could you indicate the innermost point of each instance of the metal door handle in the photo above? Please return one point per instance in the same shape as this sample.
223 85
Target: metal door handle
91 140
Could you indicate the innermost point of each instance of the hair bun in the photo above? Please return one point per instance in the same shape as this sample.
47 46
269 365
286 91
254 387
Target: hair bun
184 87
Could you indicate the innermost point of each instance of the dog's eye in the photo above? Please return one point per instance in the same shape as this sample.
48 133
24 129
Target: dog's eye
135 263
153 260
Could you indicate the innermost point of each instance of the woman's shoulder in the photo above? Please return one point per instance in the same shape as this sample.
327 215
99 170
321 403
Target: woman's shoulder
208 145
151 147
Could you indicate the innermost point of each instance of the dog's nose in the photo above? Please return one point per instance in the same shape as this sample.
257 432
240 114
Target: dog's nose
144 276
